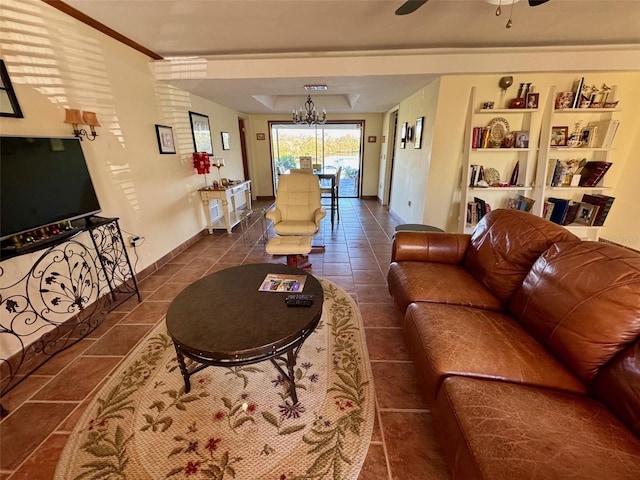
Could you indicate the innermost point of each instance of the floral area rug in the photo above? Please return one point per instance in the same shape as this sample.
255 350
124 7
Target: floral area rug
235 422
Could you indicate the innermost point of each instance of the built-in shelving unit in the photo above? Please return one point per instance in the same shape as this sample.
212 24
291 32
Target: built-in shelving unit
500 159
547 154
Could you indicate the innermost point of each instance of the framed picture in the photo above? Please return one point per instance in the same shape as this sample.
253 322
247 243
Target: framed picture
559 136
586 214
588 136
9 106
166 144
260 136
225 140
403 135
372 139
418 133
201 133
521 139
533 100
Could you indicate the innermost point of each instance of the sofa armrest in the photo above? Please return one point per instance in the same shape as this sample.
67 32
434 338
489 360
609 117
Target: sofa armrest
274 215
429 247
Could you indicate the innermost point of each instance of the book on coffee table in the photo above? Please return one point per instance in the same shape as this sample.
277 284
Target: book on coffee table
278 282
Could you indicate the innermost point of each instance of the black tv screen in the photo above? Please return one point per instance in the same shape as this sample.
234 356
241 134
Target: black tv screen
43 181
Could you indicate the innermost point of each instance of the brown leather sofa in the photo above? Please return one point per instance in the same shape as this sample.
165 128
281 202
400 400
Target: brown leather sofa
526 342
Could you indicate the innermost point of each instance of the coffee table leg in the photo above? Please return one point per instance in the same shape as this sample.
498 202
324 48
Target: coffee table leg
183 369
291 362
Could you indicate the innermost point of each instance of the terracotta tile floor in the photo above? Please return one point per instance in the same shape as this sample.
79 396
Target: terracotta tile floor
45 407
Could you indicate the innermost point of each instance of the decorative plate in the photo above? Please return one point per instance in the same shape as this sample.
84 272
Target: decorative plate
492 176
498 128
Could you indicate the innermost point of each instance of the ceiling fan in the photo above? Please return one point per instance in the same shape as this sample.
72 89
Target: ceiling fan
411 6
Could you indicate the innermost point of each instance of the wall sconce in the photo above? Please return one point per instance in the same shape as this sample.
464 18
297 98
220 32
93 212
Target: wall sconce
75 118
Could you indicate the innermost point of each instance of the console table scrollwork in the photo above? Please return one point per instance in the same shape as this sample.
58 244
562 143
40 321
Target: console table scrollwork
63 296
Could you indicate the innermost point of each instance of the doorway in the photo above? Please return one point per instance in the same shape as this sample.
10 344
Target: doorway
331 146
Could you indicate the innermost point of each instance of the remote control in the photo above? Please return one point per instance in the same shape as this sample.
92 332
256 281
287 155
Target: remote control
299 300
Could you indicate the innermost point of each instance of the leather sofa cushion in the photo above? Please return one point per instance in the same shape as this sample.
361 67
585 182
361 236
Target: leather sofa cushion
581 301
499 430
449 340
505 244
618 386
437 282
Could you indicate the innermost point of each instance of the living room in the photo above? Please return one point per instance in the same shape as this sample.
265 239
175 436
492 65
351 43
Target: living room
56 62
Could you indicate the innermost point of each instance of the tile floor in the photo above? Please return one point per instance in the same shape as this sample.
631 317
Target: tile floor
45 407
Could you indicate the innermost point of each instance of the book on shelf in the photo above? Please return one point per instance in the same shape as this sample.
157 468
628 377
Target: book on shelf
577 92
606 132
604 202
547 210
593 173
570 214
473 174
476 210
560 207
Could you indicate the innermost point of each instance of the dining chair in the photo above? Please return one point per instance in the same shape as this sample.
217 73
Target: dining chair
324 190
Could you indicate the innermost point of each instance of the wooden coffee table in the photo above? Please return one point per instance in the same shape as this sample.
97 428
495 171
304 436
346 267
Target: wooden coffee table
223 320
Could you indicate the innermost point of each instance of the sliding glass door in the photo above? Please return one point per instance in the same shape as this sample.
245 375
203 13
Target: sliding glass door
330 146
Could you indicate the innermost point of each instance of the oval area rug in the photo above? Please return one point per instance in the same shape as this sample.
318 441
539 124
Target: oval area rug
236 422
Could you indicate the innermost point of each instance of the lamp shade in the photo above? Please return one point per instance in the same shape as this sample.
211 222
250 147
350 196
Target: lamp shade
90 119
72 116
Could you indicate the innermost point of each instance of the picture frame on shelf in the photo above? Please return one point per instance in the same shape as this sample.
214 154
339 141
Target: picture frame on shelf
418 133
559 135
522 139
588 136
533 100
166 142
586 214
225 141
403 135
201 133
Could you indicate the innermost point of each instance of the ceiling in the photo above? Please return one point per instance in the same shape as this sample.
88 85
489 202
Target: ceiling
175 28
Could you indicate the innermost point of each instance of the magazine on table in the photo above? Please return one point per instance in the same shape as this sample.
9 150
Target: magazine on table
282 282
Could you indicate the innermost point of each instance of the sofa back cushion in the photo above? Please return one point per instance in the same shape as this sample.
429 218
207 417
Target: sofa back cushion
505 244
618 386
582 301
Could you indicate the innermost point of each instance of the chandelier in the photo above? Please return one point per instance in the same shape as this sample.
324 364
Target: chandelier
309 115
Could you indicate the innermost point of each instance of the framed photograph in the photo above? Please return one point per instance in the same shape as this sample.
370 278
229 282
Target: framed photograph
225 140
201 133
588 136
533 100
260 136
403 135
166 144
372 139
418 133
521 139
559 136
586 214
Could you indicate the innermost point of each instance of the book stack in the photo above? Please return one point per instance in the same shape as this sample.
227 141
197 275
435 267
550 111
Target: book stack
593 173
604 203
559 211
479 137
606 132
476 210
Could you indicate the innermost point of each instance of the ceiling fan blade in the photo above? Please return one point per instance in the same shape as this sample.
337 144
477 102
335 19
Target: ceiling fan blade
410 6
535 3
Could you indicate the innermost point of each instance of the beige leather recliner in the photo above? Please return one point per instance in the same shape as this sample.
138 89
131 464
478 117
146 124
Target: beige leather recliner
297 210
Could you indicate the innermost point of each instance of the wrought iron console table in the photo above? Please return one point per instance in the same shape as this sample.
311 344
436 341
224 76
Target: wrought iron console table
65 294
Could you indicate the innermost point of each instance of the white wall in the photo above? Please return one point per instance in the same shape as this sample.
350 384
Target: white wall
63 63
260 150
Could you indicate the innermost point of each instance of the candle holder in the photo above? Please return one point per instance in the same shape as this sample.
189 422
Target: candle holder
218 163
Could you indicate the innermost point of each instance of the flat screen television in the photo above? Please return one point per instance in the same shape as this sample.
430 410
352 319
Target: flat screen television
43 181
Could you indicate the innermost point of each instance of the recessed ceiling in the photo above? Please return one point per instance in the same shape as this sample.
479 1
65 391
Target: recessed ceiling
241 27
